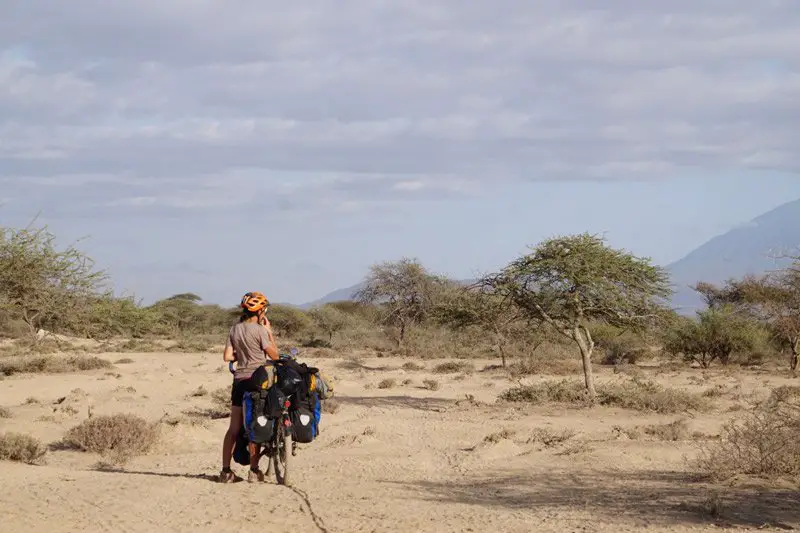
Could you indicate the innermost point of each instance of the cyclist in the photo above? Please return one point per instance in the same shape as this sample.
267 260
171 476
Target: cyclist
251 344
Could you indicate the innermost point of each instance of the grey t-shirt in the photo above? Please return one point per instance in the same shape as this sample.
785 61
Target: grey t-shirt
249 340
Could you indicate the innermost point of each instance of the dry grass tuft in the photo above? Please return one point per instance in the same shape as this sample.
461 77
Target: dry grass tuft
5 412
494 438
760 442
221 398
330 406
549 438
412 366
538 365
431 384
51 364
453 367
21 448
634 394
387 383
677 430
198 392
119 437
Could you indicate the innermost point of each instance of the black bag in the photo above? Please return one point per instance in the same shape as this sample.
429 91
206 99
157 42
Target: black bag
289 379
241 453
262 378
275 398
261 410
303 425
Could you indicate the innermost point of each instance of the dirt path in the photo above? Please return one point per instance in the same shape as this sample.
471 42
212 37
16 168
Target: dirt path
398 459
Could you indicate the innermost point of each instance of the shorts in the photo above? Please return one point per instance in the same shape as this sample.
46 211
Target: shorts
239 387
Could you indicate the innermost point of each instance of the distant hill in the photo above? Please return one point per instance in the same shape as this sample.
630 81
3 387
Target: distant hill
335 296
746 249
743 250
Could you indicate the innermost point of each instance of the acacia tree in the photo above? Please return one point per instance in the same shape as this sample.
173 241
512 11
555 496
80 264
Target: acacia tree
42 285
717 333
773 298
465 307
404 290
570 282
329 319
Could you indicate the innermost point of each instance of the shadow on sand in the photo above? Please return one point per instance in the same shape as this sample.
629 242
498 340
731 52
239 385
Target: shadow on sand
644 497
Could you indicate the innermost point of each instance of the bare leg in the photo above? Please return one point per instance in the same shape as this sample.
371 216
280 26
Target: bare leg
255 455
230 436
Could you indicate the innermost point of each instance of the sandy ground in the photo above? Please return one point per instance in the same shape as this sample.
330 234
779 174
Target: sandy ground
399 459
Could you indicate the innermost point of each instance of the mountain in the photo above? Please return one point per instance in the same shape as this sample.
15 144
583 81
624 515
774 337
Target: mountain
335 296
747 249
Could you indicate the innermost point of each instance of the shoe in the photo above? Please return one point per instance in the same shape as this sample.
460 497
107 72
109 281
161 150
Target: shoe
228 477
255 477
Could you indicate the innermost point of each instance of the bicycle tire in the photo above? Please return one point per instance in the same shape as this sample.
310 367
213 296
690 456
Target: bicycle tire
283 452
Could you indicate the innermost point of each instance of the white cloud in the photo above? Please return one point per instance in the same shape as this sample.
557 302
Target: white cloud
370 98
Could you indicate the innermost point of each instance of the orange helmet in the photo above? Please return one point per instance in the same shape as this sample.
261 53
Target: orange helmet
254 302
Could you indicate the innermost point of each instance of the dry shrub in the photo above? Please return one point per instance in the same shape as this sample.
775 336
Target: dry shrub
412 366
563 391
48 364
136 346
634 394
760 442
430 384
715 392
191 345
124 361
21 448
5 412
537 364
330 406
629 370
355 363
440 343
387 383
548 437
452 367
221 397
198 392
674 431
494 438
119 437
643 395
408 381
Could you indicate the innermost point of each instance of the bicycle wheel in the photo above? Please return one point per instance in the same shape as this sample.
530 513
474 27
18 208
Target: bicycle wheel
282 454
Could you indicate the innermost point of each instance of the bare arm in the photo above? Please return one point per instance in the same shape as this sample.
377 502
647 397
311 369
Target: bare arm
227 354
271 347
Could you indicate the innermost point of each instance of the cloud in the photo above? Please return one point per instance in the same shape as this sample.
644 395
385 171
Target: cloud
194 104
558 90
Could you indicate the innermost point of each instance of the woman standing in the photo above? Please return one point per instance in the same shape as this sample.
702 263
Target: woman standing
251 344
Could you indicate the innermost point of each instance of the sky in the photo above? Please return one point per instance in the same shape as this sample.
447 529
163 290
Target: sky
224 146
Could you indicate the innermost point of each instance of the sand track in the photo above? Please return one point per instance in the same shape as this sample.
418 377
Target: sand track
400 459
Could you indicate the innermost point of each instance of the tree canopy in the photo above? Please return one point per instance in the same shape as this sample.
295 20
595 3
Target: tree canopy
568 282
